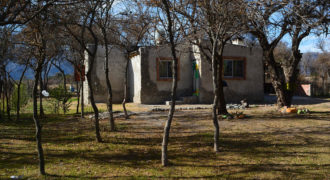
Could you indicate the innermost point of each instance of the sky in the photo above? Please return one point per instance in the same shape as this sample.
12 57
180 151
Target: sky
309 44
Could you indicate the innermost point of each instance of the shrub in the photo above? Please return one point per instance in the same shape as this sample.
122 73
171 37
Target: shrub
61 99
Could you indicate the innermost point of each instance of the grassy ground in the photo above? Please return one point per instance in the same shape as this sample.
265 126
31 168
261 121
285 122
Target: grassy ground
267 145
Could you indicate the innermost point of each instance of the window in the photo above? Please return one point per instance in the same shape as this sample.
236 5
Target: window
234 68
164 69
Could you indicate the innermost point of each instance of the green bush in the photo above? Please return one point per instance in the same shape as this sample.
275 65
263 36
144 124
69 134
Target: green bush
61 98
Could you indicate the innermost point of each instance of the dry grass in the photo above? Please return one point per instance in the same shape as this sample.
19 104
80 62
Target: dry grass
265 146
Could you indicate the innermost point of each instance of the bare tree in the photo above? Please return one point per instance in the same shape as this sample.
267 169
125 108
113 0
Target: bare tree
104 22
36 37
18 84
167 9
74 54
79 27
212 24
129 32
298 18
6 56
21 12
307 16
322 67
261 24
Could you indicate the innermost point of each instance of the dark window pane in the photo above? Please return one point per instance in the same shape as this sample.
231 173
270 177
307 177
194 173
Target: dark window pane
238 68
162 69
228 68
169 67
165 69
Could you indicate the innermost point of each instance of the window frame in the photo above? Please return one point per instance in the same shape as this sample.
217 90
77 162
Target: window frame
166 59
234 58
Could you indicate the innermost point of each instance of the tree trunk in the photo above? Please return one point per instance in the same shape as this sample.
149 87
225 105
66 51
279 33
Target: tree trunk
107 80
174 86
18 101
82 97
215 101
7 98
41 109
3 98
170 114
8 105
65 90
19 94
323 85
0 96
222 109
125 88
37 124
96 110
78 97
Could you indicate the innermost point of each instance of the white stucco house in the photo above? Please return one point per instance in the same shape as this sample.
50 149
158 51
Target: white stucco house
150 75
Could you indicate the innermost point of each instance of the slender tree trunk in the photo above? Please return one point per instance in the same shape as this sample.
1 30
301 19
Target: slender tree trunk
8 105
0 97
174 86
82 97
222 102
78 96
125 87
91 90
170 114
18 101
41 108
37 123
65 90
323 85
215 100
3 98
107 80
64 83
7 97
96 111
19 94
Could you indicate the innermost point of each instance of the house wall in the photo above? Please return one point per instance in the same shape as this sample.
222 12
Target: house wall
116 74
146 89
251 88
134 78
154 91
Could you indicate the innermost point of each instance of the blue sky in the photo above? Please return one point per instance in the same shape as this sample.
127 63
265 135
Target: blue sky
309 44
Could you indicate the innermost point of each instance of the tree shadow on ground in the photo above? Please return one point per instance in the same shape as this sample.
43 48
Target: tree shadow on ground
135 149
296 100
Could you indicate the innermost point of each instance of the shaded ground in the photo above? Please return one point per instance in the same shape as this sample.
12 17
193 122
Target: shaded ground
298 100
267 145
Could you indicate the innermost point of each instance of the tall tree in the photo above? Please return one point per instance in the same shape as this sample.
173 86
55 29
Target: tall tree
75 55
6 55
270 21
211 25
269 32
36 36
82 28
130 29
166 7
104 22
306 17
